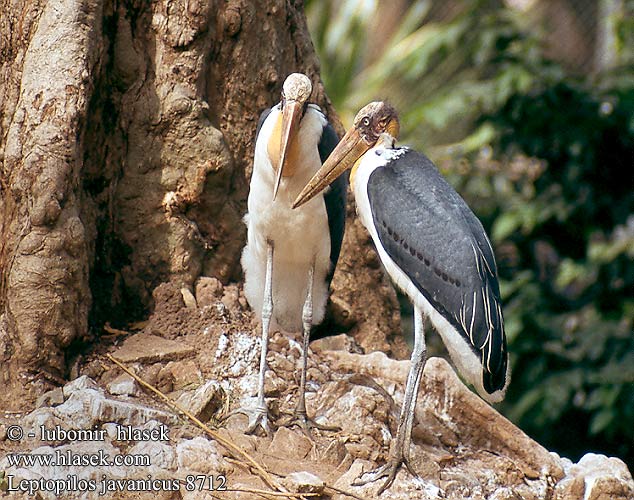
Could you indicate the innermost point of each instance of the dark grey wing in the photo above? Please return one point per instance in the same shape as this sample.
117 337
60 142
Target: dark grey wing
263 116
335 198
428 230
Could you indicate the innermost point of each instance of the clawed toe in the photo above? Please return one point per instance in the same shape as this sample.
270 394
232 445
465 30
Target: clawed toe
258 418
388 470
305 423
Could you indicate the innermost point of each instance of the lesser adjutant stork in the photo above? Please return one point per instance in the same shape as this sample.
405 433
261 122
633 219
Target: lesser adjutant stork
290 255
436 251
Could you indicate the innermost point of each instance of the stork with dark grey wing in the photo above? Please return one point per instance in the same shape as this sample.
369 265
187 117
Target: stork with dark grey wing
434 248
290 255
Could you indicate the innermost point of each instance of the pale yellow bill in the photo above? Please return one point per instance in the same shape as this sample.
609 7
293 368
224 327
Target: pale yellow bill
343 157
291 117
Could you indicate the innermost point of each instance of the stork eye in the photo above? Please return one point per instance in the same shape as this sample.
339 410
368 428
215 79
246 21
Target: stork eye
366 122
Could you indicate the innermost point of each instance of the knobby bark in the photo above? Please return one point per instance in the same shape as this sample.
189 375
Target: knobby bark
126 140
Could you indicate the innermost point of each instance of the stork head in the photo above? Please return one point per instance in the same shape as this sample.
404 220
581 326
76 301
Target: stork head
372 121
295 93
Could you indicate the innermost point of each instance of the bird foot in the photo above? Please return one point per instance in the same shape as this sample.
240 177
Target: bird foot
258 417
388 470
301 419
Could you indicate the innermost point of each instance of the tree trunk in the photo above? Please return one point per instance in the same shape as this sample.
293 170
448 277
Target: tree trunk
125 149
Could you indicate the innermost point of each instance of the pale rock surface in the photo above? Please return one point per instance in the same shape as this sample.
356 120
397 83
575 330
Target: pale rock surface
595 477
204 401
124 385
183 374
289 444
304 482
146 348
201 456
462 448
51 398
188 298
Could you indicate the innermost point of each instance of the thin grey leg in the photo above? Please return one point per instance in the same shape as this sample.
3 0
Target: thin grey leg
300 416
307 323
419 357
399 449
259 416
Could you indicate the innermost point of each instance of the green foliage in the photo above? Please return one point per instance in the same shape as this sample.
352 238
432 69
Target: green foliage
436 72
572 240
624 32
546 161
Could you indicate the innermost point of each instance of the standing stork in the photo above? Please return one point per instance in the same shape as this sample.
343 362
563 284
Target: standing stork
290 255
434 248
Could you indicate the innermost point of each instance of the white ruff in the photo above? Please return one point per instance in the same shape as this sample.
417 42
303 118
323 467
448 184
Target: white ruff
298 235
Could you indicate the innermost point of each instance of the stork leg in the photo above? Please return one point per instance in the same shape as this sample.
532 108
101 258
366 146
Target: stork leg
307 323
399 449
259 416
301 416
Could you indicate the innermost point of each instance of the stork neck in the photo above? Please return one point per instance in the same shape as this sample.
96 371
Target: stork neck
353 172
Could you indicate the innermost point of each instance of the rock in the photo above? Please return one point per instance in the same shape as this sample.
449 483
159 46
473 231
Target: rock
359 410
146 348
596 477
340 342
188 298
246 442
87 408
204 402
51 398
375 364
289 444
62 472
503 494
334 452
208 291
444 402
304 482
443 396
199 455
124 385
231 299
461 447
163 454
184 374
342 312
79 384
46 417
151 373
165 380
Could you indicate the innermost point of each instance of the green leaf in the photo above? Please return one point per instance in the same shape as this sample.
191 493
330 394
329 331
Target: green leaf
505 225
602 420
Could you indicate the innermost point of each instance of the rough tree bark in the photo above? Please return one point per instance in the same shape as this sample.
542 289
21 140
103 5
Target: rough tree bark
126 138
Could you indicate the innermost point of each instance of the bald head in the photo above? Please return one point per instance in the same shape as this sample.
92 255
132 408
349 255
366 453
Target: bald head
375 119
297 87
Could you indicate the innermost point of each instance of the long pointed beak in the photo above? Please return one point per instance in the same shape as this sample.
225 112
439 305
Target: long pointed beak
343 157
291 116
